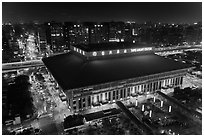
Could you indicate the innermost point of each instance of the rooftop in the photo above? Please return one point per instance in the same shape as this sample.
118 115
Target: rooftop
74 71
110 46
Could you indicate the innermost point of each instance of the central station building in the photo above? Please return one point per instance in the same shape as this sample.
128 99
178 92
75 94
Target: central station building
97 74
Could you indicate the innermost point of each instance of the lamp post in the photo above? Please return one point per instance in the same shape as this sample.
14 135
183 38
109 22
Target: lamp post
150 113
136 103
162 103
169 108
142 107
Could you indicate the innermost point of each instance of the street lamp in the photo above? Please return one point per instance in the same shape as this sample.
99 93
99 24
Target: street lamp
169 108
162 102
142 107
150 113
136 103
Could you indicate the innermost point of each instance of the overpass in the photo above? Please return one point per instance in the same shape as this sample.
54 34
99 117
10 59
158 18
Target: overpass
178 48
177 103
142 126
9 67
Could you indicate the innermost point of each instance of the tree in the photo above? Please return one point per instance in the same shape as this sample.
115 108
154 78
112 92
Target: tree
19 97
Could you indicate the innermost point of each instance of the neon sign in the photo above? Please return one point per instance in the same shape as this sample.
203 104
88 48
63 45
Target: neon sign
141 49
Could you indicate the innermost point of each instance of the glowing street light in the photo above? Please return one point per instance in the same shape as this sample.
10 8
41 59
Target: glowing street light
162 102
169 108
136 103
142 107
150 113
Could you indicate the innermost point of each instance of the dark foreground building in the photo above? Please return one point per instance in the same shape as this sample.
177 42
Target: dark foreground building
89 81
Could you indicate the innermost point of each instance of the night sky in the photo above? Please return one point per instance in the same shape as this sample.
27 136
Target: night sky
183 12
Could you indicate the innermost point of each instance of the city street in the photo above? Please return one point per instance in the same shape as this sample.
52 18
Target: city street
192 81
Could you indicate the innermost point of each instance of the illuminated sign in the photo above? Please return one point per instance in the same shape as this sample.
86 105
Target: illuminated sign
94 53
103 53
110 52
141 49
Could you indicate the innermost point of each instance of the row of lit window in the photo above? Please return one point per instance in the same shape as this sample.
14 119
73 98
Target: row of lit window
56 35
79 51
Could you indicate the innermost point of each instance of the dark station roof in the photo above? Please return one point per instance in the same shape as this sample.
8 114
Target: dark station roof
110 46
74 71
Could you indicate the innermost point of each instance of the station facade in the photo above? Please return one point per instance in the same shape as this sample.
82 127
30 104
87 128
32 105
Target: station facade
92 96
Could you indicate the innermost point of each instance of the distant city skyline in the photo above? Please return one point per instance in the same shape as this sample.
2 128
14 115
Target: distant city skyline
139 12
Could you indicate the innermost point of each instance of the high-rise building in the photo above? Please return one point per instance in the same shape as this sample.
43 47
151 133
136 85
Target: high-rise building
116 31
98 33
41 39
10 40
7 53
76 33
55 36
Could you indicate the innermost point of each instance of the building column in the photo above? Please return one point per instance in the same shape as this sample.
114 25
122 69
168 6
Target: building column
176 81
86 101
171 81
158 84
71 103
133 89
152 86
146 87
139 88
162 83
77 104
111 95
125 93
143 88
181 80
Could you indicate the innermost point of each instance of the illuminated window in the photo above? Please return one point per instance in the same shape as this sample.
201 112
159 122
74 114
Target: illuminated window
74 25
80 51
94 53
118 51
77 49
83 52
110 52
78 25
102 53
125 51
